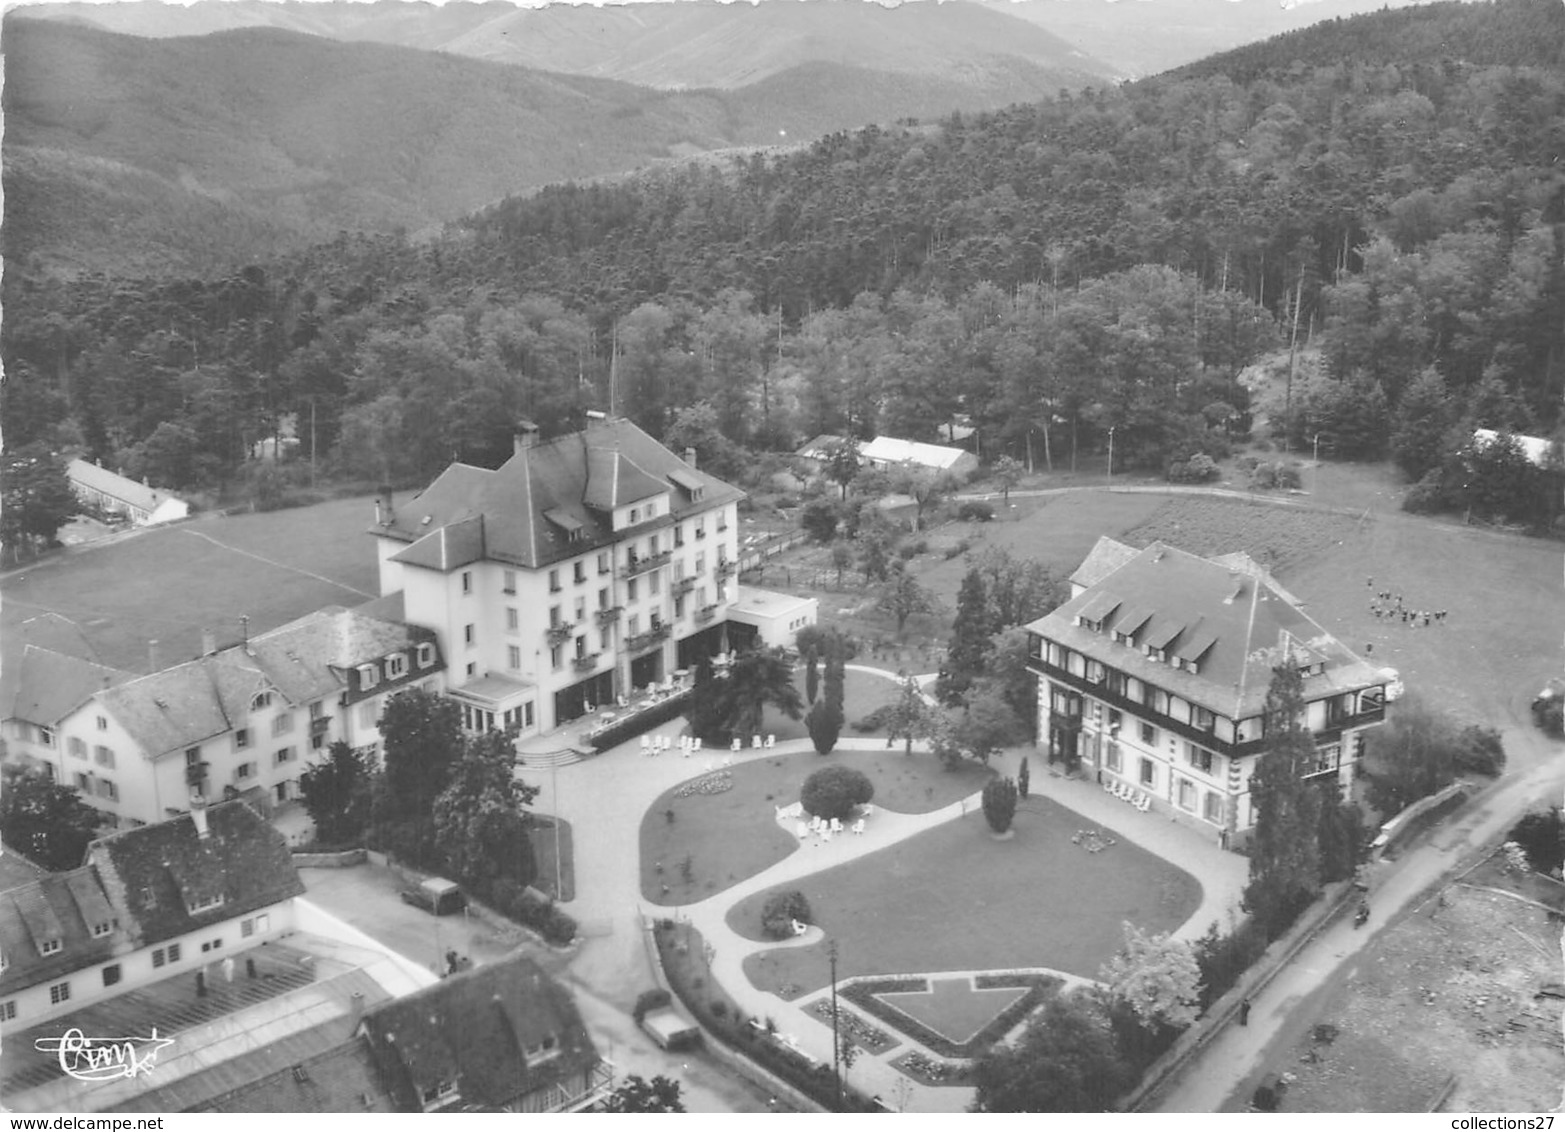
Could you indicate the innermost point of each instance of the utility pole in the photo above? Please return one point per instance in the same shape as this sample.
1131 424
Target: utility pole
1111 450
836 1047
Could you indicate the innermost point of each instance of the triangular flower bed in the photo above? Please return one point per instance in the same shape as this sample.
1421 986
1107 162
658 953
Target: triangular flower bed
868 995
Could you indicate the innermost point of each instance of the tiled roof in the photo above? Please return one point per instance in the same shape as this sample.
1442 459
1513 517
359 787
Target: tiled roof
16 870
303 660
1236 623
473 1029
120 487
1106 556
51 685
57 907
548 502
150 871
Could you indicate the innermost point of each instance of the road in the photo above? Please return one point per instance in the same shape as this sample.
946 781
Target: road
1221 1077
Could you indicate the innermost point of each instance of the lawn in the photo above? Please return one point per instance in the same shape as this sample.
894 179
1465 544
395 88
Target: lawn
1282 538
732 835
542 837
955 899
168 585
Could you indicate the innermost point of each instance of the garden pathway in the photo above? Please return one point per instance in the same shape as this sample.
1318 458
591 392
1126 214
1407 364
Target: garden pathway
606 797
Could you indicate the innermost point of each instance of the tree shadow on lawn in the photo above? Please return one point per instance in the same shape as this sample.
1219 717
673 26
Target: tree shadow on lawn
954 899
729 836
861 694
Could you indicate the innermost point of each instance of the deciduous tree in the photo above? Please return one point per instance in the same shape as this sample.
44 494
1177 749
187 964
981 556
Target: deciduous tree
1065 1061
637 1094
44 821
335 793
902 596
480 826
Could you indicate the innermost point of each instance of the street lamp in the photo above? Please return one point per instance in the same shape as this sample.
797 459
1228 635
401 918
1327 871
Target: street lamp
1111 450
1317 449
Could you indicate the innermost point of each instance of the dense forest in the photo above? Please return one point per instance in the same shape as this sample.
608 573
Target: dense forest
1387 188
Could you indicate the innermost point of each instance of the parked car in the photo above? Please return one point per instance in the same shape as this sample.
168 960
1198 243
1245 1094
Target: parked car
437 896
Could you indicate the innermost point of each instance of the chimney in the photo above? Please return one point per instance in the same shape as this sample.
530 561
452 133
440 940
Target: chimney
385 514
526 435
152 655
244 631
198 815
690 456
208 642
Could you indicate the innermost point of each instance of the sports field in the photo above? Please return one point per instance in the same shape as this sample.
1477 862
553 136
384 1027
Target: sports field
168 585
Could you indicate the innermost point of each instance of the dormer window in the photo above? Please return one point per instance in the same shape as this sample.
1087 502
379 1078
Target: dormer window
426 655
396 666
50 947
438 1094
260 700
543 1051
369 675
635 515
203 903
1156 654
101 930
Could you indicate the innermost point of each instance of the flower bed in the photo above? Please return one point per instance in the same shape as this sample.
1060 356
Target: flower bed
928 1071
861 1033
716 783
866 995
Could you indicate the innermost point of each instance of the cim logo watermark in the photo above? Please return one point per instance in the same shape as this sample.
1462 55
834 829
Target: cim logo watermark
104 1059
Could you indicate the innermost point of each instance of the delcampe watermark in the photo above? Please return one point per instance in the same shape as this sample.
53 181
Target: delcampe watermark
104 1059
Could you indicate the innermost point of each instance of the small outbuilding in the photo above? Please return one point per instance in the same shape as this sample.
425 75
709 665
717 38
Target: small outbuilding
768 618
890 452
113 494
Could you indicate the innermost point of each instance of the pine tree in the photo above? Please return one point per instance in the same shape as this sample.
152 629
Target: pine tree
1023 778
969 641
706 709
812 678
1285 850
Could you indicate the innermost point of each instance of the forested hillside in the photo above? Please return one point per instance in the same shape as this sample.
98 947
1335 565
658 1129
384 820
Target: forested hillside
1108 260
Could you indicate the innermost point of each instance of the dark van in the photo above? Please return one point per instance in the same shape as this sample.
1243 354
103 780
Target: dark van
437 896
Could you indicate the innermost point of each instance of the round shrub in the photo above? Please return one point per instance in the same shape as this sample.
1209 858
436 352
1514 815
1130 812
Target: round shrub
833 792
975 511
999 802
781 910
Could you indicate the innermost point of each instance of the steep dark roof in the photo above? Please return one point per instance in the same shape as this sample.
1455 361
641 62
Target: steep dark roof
1227 615
473 1029
59 907
547 503
154 872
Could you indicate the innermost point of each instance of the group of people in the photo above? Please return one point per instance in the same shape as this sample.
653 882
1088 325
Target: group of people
1388 605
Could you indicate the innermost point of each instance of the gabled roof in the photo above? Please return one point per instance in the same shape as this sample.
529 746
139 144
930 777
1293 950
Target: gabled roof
548 502
892 450
51 685
187 704
342 1079
305 659
1106 556
1228 617
1535 448
122 488
819 448
62 908
153 870
474 1030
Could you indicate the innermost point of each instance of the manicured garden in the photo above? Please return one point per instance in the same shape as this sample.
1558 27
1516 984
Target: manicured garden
728 832
953 898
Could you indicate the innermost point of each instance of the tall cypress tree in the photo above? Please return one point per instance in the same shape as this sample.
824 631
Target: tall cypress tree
1285 865
964 661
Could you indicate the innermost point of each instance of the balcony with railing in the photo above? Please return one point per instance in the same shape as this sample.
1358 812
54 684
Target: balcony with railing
320 725
652 636
682 586
646 564
707 612
587 663
725 569
195 773
610 615
559 634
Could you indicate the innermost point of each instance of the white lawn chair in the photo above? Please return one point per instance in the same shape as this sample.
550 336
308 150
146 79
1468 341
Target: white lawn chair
736 745
668 743
771 741
836 825
1145 803
1108 786
802 829
755 742
826 834
697 745
858 826
646 745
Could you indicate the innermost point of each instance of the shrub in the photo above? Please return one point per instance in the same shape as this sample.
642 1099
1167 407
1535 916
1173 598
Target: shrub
1480 752
833 791
1222 958
1263 476
962 546
910 550
999 801
975 511
780 910
1288 477
648 1001
1540 836
1200 468
876 720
